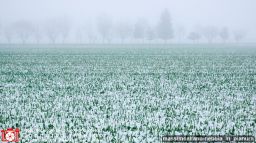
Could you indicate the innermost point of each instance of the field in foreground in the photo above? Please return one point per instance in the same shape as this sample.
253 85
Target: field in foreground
127 93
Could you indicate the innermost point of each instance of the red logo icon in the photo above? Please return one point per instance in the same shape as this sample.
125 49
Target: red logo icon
10 135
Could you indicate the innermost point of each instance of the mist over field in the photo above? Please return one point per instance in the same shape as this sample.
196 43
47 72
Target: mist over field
122 71
114 21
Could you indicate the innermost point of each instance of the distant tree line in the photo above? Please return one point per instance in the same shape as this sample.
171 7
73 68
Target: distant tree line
104 30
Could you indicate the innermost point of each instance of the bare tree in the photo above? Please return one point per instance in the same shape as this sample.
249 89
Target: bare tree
165 31
239 35
210 33
9 34
79 35
139 31
89 32
224 34
85 33
104 26
23 29
194 36
180 32
150 34
52 30
37 34
124 30
64 28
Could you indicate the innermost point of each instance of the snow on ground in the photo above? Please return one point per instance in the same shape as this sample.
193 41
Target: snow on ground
127 94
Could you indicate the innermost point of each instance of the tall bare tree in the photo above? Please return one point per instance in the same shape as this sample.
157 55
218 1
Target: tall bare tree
180 33
9 34
210 33
164 28
140 28
239 35
194 36
89 32
224 34
52 30
38 34
124 31
79 35
104 26
64 28
150 34
24 30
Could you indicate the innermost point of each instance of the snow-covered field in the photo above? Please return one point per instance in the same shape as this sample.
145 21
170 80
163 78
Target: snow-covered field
127 93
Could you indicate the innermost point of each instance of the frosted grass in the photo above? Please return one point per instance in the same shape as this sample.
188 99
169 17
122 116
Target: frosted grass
134 94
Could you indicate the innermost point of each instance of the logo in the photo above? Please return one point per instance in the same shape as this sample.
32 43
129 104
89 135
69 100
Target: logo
10 135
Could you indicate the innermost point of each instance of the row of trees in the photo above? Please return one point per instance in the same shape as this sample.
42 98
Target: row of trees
212 33
104 30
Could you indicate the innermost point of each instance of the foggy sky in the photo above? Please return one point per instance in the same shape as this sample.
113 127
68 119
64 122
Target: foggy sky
235 14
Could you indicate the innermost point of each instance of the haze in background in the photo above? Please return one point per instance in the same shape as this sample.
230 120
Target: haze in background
234 14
